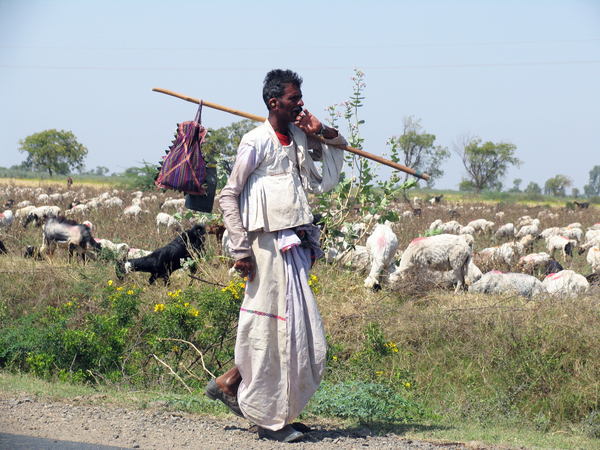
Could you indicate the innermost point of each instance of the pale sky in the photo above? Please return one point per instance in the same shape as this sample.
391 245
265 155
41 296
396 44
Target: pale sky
527 72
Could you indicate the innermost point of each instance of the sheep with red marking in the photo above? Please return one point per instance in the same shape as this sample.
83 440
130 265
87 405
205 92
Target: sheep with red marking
565 282
441 253
381 246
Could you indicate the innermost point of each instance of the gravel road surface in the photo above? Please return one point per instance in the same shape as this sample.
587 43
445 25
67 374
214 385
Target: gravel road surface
158 428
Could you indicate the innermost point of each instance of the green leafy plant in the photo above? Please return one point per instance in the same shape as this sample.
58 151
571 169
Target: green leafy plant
359 188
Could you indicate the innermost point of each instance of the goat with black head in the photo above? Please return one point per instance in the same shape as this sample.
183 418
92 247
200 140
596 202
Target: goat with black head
62 232
162 262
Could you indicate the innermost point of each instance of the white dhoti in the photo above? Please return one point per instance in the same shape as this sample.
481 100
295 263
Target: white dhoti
281 347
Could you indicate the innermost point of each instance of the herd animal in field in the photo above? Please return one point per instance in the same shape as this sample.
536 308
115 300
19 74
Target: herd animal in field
458 258
162 262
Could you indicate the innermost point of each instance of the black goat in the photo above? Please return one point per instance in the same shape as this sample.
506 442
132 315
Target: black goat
33 251
553 266
584 205
62 232
162 262
2 249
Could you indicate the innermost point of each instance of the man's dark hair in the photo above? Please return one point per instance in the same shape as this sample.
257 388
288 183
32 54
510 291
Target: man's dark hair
276 81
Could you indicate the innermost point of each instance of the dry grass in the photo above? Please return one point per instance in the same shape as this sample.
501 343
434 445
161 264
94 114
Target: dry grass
472 356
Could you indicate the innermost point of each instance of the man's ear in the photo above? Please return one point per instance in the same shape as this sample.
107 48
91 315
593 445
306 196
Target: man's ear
273 103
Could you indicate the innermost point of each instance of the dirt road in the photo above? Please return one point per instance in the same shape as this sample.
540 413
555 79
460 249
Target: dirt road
158 428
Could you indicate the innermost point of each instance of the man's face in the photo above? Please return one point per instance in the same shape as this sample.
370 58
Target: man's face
290 104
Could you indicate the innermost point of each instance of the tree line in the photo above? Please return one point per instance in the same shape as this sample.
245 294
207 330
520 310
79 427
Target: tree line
486 163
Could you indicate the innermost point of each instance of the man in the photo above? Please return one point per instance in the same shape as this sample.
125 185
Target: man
280 348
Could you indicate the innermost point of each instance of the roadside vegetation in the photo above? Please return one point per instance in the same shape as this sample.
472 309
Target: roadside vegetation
407 359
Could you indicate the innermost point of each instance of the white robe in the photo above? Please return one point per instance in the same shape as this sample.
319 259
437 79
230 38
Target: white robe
281 346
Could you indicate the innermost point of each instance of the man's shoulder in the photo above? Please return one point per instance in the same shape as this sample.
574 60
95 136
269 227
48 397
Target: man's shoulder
258 135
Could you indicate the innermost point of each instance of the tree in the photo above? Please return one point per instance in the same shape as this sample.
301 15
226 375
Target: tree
516 185
52 150
486 163
139 178
533 188
417 150
593 188
557 186
220 147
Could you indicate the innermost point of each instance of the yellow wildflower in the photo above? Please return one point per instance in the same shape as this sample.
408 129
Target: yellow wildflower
159 307
129 292
110 282
120 288
335 358
407 384
175 348
186 304
69 304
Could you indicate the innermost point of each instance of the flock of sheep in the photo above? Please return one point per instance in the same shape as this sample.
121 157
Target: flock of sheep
479 256
448 256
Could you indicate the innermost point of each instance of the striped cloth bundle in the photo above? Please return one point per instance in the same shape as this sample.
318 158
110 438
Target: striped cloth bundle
184 168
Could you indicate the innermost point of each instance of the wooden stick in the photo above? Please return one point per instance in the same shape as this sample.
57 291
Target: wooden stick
256 118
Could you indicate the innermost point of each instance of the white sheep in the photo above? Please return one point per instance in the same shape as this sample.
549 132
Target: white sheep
591 234
506 253
135 253
549 232
81 209
593 259
132 211
523 221
593 242
561 243
447 279
532 229
497 282
167 221
436 224
6 219
451 227
119 250
172 202
467 230
113 202
442 252
381 246
572 233
482 226
533 261
357 258
505 231
565 282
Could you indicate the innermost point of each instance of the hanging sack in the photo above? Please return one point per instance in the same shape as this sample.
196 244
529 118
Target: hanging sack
204 203
184 168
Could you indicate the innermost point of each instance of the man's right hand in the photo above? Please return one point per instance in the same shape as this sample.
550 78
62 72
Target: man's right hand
245 267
